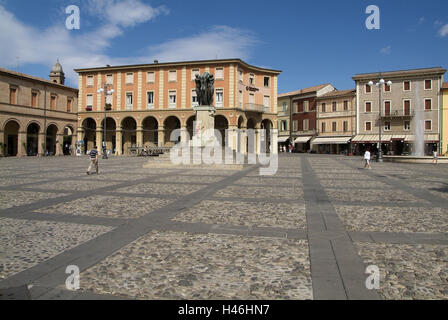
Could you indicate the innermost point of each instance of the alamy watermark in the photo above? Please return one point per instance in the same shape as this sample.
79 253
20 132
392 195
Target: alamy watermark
239 145
373 280
373 20
72 281
73 21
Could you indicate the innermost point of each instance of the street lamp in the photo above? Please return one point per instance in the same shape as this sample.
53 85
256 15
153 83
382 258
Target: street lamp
380 84
107 93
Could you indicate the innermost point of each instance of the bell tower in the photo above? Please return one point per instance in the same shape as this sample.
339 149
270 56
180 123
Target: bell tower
57 74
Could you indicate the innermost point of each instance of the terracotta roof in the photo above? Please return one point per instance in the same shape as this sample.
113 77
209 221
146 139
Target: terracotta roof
445 85
178 63
303 91
399 73
32 78
336 93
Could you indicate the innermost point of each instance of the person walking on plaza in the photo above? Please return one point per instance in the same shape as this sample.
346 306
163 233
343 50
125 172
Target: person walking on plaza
93 160
367 159
436 155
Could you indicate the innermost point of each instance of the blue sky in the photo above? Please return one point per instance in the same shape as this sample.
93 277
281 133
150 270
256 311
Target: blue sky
313 42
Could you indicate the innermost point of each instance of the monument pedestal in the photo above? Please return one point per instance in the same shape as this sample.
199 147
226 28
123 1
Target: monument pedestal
204 134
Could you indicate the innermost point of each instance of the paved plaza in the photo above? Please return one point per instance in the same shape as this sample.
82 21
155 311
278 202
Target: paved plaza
309 232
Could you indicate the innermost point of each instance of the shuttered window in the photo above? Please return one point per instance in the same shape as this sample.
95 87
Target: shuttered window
407 107
129 78
368 106
150 77
387 108
172 77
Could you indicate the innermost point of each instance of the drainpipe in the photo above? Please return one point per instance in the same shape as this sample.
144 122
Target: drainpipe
290 122
45 119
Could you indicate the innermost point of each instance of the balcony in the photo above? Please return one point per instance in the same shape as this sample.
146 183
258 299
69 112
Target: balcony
323 115
398 114
256 107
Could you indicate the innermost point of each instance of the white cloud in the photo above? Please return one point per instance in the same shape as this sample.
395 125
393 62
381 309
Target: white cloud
421 20
89 49
218 42
126 13
443 31
386 50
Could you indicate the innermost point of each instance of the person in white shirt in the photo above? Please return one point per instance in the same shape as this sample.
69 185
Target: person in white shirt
436 155
367 159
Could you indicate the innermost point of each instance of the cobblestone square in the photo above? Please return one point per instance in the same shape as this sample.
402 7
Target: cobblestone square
308 232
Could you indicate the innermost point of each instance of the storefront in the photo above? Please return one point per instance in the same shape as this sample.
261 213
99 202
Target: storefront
394 145
302 144
332 145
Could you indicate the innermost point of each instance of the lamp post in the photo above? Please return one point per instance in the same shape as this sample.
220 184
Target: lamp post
106 93
380 85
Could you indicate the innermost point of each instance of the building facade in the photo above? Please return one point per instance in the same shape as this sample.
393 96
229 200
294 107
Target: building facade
284 123
444 128
37 116
304 114
336 122
152 100
411 107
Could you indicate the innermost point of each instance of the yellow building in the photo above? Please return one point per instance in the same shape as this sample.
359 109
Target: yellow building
444 127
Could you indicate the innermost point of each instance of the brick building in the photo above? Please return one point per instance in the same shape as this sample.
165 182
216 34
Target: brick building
303 117
37 116
152 100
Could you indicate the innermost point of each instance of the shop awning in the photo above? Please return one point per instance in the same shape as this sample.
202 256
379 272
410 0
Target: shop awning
302 139
282 139
428 138
334 140
371 138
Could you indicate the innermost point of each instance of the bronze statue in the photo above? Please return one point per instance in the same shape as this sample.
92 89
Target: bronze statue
205 88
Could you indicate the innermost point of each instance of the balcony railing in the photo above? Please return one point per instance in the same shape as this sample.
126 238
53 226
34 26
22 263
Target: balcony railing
336 114
398 114
256 107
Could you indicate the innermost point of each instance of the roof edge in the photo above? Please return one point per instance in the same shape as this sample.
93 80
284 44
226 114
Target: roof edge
177 63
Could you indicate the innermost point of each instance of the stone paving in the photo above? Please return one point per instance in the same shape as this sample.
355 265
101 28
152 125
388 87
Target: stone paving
309 232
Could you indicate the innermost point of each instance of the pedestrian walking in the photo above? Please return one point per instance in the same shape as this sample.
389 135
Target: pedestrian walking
435 157
367 159
93 160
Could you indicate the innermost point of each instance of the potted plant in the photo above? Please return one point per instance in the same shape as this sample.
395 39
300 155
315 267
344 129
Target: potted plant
108 106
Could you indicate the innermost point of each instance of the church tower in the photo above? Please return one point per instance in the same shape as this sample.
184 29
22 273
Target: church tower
57 74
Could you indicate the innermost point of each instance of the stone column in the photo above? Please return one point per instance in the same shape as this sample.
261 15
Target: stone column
99 140
2 143
59 144
139 136
21 144
40 143
74 143
232 137
118 142
184 135
243 141
257 141
161 136
80 137
274 141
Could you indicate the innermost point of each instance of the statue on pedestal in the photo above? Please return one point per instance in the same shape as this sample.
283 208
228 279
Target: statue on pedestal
205 89
205 111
